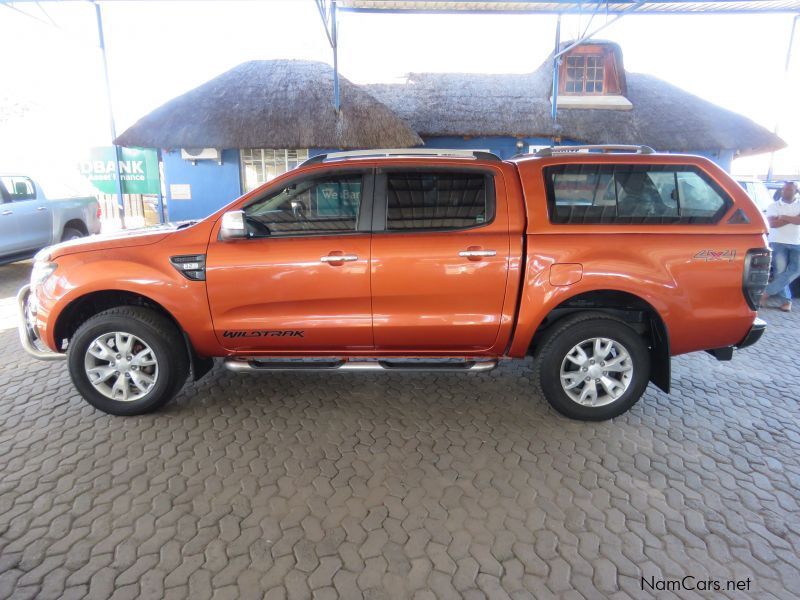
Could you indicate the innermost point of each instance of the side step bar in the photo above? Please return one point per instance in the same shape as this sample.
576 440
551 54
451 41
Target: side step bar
254 365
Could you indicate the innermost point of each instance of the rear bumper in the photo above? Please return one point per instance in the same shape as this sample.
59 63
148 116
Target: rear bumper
28 336
755 333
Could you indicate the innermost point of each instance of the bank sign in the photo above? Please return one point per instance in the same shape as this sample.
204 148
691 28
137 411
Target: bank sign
138 169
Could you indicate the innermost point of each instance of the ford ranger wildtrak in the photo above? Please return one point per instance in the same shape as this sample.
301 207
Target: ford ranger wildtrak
600 262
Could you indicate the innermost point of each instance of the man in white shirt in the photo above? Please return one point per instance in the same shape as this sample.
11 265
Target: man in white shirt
784 239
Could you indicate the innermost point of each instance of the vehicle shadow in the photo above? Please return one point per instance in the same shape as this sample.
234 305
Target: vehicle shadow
503 398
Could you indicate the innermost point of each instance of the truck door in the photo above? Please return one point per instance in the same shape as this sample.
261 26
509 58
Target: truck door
440 253
300 283
9 237
29 217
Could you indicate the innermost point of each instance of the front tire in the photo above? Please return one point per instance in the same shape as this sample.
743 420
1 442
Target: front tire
128 360
592 366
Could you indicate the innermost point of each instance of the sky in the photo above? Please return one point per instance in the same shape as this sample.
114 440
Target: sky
53 102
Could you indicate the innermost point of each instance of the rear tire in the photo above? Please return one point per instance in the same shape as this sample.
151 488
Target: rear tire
71 234
128 360
592 366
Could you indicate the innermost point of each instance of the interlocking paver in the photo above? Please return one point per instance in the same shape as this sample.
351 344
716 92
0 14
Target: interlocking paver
398 486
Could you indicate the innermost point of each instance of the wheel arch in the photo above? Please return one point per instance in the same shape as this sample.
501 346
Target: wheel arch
643 317
86 306
76 224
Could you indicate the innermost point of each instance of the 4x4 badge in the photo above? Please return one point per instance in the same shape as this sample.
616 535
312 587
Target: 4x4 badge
715 255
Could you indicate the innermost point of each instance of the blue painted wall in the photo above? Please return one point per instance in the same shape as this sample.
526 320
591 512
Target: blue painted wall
213 185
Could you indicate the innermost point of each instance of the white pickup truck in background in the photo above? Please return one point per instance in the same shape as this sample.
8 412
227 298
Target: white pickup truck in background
29 221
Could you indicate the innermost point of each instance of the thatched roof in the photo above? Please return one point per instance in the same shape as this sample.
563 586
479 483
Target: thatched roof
663 115
271 104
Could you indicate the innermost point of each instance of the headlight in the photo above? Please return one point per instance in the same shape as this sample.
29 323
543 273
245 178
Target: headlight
41 271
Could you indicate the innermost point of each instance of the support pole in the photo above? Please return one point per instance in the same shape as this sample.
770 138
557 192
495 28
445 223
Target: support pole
556 64
335 46
786 66
120 201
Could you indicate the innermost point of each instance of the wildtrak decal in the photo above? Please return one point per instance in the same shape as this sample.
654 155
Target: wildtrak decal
255 333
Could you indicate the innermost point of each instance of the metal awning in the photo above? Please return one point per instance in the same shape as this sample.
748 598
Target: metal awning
611 7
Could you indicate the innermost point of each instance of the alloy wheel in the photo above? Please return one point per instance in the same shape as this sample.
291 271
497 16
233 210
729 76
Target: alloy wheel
121 366
596 372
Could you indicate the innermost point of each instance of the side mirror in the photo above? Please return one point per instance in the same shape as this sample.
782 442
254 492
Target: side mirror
233 226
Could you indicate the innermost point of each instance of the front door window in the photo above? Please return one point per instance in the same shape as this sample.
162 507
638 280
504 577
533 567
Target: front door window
324 205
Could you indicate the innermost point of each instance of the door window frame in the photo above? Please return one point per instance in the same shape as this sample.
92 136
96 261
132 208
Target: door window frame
381 198
10 195
363 218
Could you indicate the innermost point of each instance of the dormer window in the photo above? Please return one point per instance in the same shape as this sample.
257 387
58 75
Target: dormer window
584 75
592 76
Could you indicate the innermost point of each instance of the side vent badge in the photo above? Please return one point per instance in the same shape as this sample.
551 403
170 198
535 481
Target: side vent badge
191 266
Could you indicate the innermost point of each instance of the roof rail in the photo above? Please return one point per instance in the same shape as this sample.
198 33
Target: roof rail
632 149
400 152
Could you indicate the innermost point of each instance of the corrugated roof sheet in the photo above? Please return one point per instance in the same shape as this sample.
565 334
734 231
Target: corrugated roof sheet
567 6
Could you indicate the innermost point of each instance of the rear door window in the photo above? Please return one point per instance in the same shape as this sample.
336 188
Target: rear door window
633 194
437 201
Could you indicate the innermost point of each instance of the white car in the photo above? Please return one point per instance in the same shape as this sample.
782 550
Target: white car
757 190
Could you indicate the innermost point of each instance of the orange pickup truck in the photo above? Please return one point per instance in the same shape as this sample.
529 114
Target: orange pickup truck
601 262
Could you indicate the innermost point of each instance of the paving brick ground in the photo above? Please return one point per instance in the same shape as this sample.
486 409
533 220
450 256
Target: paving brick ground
400 486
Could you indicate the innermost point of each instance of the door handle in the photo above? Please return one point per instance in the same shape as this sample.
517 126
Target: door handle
42 208
477 253
333 258
8 212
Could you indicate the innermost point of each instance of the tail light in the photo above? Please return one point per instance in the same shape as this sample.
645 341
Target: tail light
99 212
756 275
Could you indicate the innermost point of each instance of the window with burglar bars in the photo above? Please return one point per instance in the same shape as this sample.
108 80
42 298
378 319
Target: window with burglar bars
585 74
259 165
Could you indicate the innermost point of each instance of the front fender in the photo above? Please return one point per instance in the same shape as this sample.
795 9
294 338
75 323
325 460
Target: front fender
127 270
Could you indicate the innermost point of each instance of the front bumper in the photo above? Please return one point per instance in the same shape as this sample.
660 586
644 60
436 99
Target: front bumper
27 330
755 333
